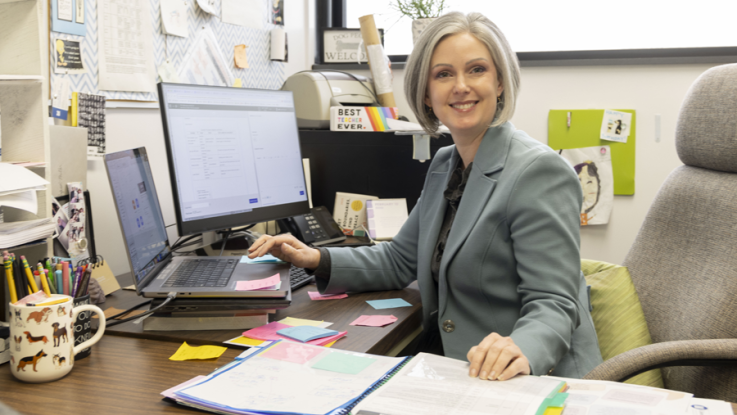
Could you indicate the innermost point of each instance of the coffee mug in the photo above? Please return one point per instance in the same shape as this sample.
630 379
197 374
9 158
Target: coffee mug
42 338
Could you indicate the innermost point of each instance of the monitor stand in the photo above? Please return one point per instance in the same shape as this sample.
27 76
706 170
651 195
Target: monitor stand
212 243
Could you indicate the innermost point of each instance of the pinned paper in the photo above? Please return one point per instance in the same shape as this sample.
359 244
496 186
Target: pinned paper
342 362
60 101
208 6
239 55
168 73
391 303
306 333
314 295
174 17
238 83
187 352
615 126
258 284
374 321
291 352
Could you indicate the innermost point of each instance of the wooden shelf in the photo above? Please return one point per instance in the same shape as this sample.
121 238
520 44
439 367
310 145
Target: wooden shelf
21 78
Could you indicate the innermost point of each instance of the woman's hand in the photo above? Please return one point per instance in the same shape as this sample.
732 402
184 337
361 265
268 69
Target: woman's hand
287 248
497 358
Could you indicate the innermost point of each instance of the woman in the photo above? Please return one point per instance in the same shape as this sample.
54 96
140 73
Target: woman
494 238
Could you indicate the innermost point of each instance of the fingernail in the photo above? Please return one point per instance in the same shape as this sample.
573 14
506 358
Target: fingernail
473 373
491 376
482 375
501 377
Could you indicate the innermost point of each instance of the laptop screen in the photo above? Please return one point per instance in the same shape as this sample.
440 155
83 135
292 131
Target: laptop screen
138 210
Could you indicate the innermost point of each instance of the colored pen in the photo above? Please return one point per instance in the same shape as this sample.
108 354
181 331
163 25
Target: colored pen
52 287
65 277
85 283
9 275
29 274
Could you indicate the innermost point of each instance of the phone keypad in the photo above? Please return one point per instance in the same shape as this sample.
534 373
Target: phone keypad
315 228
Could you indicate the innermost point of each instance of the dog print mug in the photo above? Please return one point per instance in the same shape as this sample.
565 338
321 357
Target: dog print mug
42 338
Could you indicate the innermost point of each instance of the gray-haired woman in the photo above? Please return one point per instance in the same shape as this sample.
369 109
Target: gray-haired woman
494 239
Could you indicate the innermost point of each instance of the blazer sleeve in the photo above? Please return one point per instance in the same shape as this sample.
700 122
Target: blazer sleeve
386 266
543 211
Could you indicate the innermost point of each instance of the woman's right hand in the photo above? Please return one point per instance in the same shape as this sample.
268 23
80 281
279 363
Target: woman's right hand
287 248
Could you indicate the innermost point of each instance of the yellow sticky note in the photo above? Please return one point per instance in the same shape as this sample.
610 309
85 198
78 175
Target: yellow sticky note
238 83
291 321
330 344
553 411
246 341
239 55
187 352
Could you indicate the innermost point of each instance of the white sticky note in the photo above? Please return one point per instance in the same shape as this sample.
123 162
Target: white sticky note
168 73
421 147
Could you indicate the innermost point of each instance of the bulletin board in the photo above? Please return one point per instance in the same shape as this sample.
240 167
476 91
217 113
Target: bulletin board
262 72
585 132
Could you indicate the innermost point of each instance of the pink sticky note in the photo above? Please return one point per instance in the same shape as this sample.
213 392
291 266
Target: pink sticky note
314 295
292 352
374 321
268 332
258 284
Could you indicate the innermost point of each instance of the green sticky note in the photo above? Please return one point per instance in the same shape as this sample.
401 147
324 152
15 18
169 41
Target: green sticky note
559 400
585 131
341 362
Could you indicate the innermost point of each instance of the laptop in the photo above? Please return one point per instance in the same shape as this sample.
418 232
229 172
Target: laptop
156 271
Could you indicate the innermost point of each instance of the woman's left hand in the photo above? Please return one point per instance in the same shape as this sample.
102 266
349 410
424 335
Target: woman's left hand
497 358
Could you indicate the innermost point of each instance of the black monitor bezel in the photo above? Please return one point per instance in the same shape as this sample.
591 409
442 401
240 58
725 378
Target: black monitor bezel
257 215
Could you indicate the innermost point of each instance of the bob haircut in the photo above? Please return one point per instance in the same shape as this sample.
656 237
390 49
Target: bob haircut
417 70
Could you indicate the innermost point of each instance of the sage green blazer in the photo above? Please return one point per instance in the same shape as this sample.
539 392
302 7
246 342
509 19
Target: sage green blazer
511 264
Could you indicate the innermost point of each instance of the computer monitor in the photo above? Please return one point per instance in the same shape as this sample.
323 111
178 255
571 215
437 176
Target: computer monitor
234 156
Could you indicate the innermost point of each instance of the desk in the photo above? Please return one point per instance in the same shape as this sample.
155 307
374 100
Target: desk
126 375
388 340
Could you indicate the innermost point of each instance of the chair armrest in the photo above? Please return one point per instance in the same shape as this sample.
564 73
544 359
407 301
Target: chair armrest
675 353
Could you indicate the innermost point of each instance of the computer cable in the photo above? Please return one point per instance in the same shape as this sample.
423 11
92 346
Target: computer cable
171 296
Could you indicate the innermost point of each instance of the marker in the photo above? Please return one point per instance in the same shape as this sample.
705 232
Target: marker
65 277
9 275
29 275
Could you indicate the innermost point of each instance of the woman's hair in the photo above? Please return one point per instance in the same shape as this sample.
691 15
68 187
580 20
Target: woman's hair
592 171
417 69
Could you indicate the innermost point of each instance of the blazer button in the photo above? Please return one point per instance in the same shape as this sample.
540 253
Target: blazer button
449 326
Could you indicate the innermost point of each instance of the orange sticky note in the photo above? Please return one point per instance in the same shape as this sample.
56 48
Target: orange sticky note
239 54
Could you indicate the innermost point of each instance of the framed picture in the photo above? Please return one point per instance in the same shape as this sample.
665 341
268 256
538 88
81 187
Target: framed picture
340 45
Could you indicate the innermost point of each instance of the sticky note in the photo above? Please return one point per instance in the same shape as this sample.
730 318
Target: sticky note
187 352
374 321
258 284
244 341
306 333
266 259
314 295
238 83
239 55
292 352
390 303
291 321
342 362
269 332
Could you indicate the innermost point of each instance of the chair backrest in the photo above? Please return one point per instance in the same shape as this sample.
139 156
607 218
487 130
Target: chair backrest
683 262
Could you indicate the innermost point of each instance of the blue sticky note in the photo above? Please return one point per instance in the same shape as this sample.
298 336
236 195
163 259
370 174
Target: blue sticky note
306 333
390 303
266 259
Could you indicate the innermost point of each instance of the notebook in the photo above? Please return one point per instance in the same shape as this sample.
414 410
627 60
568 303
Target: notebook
149 252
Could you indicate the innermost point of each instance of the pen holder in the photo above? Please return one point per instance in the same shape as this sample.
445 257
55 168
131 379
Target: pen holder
82 327
42 338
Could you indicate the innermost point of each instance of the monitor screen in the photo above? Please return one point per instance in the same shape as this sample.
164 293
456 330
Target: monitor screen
138 208
234 156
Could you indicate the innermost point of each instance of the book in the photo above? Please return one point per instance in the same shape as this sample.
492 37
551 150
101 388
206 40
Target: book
385 217
362 118
349 211
168 323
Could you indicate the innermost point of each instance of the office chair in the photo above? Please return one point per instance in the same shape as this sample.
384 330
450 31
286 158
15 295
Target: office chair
683 262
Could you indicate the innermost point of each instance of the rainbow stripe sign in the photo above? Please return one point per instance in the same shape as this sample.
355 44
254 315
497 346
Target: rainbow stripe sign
361 118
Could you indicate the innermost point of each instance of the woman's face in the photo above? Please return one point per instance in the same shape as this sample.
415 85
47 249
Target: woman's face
590 186
463 85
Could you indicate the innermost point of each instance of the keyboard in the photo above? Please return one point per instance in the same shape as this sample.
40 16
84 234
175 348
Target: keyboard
202 273
298 277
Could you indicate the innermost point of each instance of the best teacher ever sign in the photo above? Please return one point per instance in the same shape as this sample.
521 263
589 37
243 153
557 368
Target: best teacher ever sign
342 45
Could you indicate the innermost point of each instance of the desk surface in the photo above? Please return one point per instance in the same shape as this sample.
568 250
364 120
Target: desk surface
123 375
375 340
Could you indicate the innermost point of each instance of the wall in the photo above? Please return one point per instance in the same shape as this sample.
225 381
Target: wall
650 90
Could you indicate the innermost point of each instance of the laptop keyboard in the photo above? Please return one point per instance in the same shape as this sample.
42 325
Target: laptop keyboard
202 273
298 277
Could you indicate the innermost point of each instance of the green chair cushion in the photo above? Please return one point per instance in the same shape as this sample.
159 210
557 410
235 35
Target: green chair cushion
618 318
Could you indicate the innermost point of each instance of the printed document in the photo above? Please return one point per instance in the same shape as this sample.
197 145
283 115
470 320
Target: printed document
204 64
125 46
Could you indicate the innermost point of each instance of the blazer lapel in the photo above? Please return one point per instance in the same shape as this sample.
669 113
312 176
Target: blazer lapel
489 159
433 213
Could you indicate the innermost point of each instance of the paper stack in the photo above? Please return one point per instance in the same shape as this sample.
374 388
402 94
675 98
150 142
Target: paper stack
18 187
19 233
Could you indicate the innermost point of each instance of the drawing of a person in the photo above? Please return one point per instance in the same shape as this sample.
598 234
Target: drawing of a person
60 51
276 12
588 176
618 129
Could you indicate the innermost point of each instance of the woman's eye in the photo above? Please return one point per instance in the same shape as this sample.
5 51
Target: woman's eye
442 74
478 69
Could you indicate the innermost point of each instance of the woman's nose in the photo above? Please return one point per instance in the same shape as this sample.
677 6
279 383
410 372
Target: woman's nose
460 87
